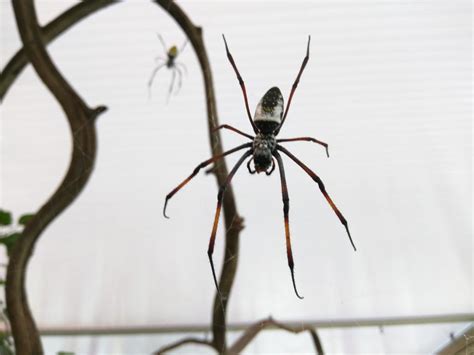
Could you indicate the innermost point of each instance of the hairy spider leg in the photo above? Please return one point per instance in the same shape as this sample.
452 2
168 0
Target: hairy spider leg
269 172
198 168
307 139
220 197
226 126
286 209
321 187
295 85
242 84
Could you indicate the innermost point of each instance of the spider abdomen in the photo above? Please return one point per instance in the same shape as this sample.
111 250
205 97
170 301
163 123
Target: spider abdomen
269 111
170 62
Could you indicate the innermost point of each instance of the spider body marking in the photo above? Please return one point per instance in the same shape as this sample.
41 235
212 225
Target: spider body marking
263 150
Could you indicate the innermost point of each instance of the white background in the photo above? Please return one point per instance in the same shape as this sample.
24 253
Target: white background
388 86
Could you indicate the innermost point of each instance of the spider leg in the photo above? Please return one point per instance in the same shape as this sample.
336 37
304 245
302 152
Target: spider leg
199 167
250 168
173 77
220 197
153 73
185 70
226 126
162 43
307 139
286 209
321 187
268 173
242 84
183 46
295 84
180 79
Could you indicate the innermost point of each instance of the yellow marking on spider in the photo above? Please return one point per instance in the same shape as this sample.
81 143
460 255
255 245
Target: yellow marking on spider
173 51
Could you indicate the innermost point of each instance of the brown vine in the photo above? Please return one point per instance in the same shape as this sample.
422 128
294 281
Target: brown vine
49 32
252 331
233 223
81 120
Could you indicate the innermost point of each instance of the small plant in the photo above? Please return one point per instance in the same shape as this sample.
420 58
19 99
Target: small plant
9 231
9 234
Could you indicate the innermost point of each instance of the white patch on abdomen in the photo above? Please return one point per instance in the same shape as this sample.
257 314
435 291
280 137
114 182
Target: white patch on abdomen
274 116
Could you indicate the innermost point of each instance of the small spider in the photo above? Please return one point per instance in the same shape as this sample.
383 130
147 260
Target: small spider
171 63
263 150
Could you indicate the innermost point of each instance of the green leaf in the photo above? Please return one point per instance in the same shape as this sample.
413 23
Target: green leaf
24 219
65 353
5 348
9 240
5 218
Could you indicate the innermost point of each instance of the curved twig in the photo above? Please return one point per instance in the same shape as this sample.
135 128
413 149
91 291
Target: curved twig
81 120
52 30
316 341
255 329
182 342
233 223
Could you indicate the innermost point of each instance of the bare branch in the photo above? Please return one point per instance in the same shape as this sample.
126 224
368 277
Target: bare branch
255 329
316 341
233 223
81 120
182 342
52 30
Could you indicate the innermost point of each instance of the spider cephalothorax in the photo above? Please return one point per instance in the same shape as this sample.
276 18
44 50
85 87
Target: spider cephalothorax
263 147
171 63
263 150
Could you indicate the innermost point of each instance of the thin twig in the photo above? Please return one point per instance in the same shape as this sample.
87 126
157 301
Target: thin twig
316 341
257 327
52 30
81 120
231 246
238 327
182 342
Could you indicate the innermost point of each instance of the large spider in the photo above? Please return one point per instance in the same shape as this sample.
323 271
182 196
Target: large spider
171 63
263 150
